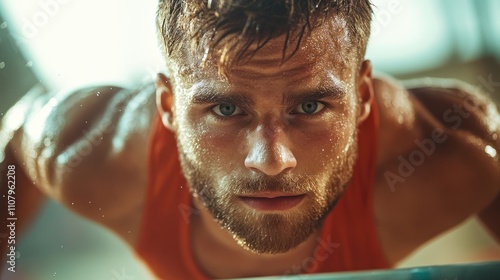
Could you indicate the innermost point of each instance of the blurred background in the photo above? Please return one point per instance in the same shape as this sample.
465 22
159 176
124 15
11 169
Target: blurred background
72 43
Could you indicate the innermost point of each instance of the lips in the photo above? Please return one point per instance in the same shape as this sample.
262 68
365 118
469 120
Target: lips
272 201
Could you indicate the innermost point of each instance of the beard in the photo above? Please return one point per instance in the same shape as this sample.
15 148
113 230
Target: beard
264 232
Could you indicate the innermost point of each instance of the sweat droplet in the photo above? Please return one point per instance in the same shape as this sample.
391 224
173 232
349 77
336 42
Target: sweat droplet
3 25
490 151
2 65
29 63
495 136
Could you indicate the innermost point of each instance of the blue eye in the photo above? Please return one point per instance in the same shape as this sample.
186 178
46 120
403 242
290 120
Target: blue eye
310 107
227 110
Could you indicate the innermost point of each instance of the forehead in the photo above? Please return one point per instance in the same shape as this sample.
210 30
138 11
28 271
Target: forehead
324 55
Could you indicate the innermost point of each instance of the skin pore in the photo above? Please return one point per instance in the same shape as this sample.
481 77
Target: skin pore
244 137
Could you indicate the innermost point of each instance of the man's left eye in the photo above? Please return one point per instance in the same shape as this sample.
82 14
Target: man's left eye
310 107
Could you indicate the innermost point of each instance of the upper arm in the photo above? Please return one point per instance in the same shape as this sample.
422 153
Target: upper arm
444 174
87 150
471 121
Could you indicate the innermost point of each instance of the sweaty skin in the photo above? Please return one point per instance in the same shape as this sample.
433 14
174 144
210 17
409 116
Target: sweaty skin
254 125
266 130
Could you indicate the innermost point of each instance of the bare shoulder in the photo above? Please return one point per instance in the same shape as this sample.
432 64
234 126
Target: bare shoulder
87 149
438 163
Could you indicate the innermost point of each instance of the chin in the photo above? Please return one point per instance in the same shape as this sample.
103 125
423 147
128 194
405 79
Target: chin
274 233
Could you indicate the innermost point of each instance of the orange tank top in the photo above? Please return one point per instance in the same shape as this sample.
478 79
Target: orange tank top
348 239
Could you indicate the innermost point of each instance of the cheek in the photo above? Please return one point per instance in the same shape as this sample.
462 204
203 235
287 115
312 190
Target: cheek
211 146
327 145
188 132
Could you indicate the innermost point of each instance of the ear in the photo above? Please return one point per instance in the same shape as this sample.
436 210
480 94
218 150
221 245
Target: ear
365 90
165 101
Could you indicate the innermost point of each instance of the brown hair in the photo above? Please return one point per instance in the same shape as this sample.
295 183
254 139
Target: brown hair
229 27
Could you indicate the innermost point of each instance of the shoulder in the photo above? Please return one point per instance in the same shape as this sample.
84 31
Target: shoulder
469 122
91 147
448 112
438 162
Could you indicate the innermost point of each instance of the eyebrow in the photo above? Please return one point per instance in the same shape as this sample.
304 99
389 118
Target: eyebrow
208 97
204 96
330 92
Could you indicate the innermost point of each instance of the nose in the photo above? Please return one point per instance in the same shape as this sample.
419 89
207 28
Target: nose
269 152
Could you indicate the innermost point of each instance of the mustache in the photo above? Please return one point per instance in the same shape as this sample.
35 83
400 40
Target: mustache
281 183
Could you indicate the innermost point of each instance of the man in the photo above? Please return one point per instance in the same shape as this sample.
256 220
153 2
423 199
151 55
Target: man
269 149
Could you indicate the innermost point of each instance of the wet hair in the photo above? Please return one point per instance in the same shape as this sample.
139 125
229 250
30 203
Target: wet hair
228 28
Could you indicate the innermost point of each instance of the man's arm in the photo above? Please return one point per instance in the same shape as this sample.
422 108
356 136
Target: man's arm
20 201
87 150
476 117
441 165
490 216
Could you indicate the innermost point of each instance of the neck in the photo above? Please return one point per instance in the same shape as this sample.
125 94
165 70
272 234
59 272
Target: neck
219 256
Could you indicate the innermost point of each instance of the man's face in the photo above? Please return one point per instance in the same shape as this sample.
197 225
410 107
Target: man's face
269 151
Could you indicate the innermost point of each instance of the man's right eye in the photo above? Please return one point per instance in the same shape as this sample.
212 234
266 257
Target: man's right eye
227 110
